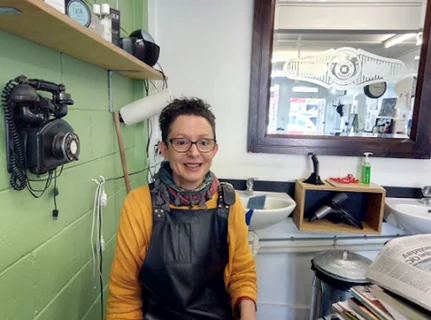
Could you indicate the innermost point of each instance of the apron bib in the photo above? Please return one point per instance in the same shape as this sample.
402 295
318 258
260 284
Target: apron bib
182 274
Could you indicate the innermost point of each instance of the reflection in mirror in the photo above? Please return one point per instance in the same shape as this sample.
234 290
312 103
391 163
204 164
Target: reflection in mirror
343 82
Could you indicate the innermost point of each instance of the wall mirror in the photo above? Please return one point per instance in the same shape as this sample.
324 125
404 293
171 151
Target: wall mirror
341 78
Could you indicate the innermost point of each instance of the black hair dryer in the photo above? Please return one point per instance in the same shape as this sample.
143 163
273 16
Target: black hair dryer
334 212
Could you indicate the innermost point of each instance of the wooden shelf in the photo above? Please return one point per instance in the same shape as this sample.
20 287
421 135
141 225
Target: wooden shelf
331 186
328 226
45 25
366 203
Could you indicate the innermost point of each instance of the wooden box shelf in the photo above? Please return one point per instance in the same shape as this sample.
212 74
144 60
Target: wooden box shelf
366 203
41 23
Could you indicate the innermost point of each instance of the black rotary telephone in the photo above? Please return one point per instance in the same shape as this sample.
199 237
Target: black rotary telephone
37 138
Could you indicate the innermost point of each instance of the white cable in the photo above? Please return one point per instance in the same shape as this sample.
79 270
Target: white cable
96 247
94 220
100 201
103 196
149 145
103 202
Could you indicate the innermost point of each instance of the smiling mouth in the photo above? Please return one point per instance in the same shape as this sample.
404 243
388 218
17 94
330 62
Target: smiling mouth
193 165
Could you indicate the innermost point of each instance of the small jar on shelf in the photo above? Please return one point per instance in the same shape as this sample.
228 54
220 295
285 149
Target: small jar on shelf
106 22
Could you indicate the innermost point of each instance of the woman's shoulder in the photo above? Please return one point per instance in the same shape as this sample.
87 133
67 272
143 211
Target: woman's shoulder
229 193
139 195
231 196
137 212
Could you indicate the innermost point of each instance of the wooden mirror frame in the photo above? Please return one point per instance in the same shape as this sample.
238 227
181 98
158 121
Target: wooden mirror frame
417 146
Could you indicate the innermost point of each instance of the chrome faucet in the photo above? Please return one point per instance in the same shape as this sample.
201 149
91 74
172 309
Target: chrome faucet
426 193
249 184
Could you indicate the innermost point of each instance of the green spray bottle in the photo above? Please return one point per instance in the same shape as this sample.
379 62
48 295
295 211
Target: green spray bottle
366 169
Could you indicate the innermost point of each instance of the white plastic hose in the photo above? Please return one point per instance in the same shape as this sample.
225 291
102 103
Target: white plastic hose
253 238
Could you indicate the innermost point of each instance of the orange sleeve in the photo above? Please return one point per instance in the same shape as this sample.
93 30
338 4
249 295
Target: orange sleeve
240 273
124 297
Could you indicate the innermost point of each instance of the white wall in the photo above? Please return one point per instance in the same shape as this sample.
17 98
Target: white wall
284 267
351 15
205 51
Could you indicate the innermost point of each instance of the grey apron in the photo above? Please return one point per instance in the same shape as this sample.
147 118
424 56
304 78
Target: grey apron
182 274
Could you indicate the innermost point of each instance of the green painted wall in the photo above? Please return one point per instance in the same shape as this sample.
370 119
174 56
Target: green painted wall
45 265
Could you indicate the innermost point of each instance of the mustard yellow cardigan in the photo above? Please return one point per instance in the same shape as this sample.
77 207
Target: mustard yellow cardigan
133 238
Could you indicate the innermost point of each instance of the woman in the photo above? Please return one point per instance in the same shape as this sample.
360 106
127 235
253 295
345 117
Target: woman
182 244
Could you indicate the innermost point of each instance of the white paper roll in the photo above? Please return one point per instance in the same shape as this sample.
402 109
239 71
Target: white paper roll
145 108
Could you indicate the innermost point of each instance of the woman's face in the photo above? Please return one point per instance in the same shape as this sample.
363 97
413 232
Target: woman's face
189 168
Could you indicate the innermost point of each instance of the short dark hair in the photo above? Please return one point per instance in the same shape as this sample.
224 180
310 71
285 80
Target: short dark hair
184 106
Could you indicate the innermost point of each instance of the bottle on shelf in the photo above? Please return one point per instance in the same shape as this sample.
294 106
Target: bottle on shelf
366 169
106 22
96 25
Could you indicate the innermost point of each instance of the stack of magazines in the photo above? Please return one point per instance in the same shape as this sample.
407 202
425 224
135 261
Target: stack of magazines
401 284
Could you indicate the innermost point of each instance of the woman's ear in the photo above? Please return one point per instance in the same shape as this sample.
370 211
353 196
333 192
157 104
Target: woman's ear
163 149
215 149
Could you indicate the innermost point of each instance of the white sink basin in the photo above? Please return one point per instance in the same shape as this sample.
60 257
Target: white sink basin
278 206
410 215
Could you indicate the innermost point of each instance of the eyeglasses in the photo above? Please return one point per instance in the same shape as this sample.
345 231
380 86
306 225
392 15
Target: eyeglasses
183 144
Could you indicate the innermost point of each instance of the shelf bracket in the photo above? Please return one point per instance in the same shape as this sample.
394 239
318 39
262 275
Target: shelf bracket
111 102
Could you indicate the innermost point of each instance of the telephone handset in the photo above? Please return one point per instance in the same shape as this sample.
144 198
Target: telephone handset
38 139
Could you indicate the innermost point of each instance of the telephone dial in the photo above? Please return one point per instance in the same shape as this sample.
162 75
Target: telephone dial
38 139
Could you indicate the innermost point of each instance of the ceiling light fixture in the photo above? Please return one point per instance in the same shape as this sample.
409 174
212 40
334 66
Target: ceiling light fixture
277 74
398 39
419 37
305 89
279 60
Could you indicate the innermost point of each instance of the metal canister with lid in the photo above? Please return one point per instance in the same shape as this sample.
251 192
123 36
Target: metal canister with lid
335 272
